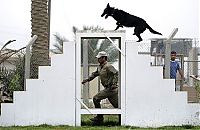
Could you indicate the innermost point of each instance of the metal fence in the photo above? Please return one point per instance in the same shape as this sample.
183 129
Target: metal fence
187 55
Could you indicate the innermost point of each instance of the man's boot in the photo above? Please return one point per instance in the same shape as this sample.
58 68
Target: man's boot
97 120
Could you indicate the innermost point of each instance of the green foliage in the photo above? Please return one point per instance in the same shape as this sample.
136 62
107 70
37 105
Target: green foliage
197 86
14 83
59 40
13 80
109 120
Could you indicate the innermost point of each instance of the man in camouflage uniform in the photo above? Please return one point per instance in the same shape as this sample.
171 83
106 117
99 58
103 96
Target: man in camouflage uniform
109 79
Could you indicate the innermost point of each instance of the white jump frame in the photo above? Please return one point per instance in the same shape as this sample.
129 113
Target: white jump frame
122 101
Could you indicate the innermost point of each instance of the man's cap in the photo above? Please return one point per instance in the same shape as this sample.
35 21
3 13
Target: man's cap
101 53
173 52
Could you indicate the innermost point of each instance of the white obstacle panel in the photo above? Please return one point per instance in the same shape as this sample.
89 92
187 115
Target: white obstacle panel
147 100
151 101
49 99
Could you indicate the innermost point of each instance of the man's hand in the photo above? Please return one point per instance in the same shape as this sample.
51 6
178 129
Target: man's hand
183 78
114 86
84 81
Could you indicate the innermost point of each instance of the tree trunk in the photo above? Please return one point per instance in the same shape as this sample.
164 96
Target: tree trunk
39 23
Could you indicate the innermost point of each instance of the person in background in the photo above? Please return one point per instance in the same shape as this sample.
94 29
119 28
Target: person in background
174 67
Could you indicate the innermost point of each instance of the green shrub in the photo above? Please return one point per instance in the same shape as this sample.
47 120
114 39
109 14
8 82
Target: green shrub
13 80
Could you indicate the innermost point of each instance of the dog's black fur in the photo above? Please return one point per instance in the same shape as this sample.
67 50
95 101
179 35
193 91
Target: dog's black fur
125 19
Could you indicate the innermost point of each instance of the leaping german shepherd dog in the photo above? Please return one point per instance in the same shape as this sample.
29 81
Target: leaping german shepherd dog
125 19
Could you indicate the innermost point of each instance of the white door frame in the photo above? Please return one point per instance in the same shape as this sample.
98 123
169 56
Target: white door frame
122 106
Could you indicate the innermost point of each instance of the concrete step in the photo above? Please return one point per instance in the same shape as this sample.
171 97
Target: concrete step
193 95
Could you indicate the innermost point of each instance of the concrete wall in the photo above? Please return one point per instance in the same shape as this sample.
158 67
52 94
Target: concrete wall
49 99
151 101
148 101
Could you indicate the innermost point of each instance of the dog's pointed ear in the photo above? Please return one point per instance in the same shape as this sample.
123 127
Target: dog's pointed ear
108 5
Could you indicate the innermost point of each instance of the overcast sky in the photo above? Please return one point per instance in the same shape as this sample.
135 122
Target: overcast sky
162 15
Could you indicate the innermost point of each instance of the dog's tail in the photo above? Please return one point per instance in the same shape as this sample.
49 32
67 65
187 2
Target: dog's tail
153 31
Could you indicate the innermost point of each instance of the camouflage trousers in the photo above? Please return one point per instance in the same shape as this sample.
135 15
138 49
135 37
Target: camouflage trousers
112 96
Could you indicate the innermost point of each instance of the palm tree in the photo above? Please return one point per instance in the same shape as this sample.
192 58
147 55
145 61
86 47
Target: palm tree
39 22
6 53
59 40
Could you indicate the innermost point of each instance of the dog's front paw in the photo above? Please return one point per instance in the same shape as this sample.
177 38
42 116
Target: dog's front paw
139 40
116 28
